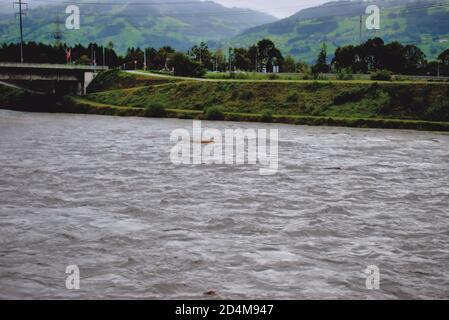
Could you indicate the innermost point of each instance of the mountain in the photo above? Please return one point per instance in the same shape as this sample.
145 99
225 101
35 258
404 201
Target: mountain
132 23
7 6
420 22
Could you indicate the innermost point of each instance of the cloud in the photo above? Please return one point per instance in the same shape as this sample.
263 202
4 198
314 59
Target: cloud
278 8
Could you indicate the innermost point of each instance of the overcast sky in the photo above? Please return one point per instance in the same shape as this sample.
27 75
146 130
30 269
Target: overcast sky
278 8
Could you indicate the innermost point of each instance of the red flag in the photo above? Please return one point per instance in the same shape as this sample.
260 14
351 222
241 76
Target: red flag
68 54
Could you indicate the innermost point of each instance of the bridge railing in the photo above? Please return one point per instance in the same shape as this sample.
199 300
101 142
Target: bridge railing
51 66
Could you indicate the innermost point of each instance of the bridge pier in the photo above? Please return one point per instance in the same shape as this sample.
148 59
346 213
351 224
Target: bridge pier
88 78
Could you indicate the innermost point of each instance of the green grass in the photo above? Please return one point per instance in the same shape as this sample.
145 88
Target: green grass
365 99
404 104
18 99
115 79
79 105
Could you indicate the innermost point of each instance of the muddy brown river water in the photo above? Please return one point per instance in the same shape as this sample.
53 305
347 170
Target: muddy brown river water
101 193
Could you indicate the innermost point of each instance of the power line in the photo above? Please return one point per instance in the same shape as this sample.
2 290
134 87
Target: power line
127 3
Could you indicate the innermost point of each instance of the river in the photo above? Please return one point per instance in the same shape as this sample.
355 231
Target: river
101 193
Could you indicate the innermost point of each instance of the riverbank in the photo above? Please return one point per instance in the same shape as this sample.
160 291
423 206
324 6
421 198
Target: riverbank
365 104
84 106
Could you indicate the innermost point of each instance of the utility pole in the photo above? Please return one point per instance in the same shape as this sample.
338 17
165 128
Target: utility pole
361 22
58 34
230 60
104 57
20 14
145 59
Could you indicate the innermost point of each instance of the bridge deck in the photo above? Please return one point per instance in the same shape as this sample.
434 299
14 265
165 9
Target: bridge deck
63 78
51 66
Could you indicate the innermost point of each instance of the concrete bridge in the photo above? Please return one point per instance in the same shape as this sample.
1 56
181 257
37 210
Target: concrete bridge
49 78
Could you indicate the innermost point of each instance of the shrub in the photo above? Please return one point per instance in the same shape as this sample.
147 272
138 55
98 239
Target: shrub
439 111
293 98
267 115
314 86
348 96
307 76
381 103
234 94
273 76
214 114
381 75
345 74
246 95
318 76
155 110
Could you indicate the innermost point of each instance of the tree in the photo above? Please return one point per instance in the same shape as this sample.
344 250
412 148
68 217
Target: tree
345 58
371 54
253 55
289 65
443 63
162 57
393 57
134 58
269 55
202 55
321 62
443 57
44 53
415 60
185 67
241 59
84 59
374 55
220 60
302 67
151 54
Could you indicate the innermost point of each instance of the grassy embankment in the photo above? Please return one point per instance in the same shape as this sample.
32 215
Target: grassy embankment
17 99
402 105
405 104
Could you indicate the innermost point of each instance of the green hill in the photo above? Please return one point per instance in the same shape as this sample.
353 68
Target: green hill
127 23
420 22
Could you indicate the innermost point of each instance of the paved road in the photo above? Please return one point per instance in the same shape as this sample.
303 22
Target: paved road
164 75
6 84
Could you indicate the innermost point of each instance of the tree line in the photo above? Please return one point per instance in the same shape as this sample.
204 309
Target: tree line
44 53
264 56
395 57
